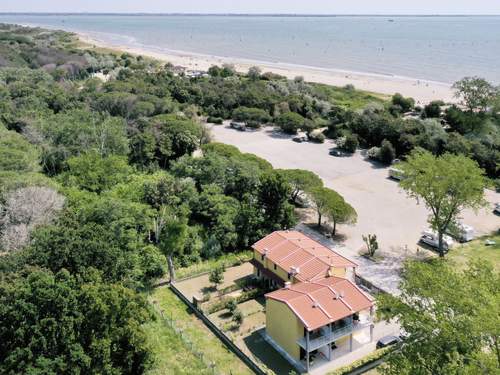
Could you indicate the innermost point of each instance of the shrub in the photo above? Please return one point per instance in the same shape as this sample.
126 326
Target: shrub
373 153
290 122
433 109
317 137
217 276
238 316
350 143
215 120
406 104
231 305
387 152
251 114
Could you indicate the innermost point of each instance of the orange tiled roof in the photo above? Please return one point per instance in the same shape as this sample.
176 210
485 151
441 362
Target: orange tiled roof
294 250
318 303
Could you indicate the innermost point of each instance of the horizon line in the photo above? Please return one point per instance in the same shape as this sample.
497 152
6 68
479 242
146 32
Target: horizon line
252 14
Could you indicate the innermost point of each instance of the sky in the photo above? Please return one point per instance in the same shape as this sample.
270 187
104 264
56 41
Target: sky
257 6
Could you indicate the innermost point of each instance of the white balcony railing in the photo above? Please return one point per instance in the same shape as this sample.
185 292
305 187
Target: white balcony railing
328 338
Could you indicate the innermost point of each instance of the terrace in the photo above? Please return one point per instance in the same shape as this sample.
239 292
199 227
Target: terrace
331 333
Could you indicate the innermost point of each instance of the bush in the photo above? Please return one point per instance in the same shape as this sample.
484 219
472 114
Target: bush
317 137
433 109
290 122
231 305
251 114
238 316
350 143
373 153
387 152
406 104
215 120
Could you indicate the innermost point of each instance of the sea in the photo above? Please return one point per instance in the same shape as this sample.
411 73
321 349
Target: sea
436 48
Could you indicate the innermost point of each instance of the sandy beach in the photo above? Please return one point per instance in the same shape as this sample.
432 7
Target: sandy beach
422 91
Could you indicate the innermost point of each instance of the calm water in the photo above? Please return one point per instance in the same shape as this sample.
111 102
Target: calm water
433 48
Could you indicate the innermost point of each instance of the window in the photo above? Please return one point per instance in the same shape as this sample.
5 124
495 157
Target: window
289 275
275 267
262 257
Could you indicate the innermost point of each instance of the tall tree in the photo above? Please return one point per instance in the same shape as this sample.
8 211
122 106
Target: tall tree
331 204
450 319
170 233
273 195
446 184
301 181
476 93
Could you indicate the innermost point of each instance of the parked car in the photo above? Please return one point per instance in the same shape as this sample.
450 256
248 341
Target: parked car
396 174
463 233
497 208
388 341
431 238
337 153
300 137
241 126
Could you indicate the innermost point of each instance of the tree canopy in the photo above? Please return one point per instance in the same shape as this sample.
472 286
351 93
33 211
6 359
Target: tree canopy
449 318
56 323
446 184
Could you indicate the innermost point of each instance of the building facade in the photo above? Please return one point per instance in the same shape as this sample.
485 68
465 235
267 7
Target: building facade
318 307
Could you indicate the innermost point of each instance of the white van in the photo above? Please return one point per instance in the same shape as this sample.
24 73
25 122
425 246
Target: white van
464 233
431 238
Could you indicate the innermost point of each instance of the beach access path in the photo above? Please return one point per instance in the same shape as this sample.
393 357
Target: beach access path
383 207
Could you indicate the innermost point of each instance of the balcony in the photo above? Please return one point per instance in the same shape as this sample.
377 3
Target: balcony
325 338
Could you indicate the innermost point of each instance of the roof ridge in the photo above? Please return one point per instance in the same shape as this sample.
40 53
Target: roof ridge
315 301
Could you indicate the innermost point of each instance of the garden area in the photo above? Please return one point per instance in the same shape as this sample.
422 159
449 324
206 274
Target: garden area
233 300
192 336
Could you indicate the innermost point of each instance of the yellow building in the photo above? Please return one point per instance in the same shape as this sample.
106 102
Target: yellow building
318 309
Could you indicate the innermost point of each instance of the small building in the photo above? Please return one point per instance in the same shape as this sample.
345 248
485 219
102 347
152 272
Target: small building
319 307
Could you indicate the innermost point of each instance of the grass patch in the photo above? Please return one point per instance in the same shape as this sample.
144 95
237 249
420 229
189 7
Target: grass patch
197 333
172 356
477 249
351 99
228 260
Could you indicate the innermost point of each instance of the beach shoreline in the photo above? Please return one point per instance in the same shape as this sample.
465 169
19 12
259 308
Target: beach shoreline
423 91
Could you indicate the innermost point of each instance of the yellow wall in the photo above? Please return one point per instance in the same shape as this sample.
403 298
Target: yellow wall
257 256
284 327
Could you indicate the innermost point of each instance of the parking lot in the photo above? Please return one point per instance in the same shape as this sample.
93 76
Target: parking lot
383 208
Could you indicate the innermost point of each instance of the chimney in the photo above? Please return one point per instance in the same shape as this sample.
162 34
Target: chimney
288 284
335 295
342 294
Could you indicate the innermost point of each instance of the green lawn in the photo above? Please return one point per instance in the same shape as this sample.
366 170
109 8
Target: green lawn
197 333
172 355
477 250
352 99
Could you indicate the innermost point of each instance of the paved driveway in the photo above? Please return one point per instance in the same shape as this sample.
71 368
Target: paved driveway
383 208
